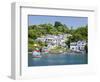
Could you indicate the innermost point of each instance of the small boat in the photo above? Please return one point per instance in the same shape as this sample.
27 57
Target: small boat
45 51
36 54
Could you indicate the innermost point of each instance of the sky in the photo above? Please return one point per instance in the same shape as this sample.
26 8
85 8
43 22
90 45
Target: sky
74 22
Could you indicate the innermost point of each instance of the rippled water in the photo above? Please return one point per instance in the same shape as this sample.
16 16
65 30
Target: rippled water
60 59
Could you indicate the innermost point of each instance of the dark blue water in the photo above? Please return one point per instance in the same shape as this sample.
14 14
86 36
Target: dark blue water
58 60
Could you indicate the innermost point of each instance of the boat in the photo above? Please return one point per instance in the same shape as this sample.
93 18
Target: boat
45 51
36 53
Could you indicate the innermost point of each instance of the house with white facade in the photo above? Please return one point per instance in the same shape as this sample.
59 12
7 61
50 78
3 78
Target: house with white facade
78 46
54 40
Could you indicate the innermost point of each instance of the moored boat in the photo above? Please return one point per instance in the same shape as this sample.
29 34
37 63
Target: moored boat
45 51
36 53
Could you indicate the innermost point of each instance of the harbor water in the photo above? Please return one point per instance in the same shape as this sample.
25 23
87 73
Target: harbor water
58 59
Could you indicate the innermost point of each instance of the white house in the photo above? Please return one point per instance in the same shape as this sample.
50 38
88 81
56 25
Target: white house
78 46
81 45
54 40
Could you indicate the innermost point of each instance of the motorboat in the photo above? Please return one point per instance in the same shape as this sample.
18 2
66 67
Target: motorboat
36 53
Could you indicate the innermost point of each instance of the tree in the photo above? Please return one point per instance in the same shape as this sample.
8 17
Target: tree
86 48
83 31
60 28
57 23
68 43
31 34
79 34
76 37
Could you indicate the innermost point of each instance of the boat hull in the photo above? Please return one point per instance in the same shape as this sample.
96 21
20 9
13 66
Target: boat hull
36 56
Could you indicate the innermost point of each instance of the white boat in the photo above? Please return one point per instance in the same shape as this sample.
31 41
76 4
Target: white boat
36 54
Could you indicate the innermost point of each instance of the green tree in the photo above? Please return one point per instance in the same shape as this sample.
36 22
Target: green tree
86 48
57 23
32 34
79 34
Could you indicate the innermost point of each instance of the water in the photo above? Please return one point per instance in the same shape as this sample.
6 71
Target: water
58 59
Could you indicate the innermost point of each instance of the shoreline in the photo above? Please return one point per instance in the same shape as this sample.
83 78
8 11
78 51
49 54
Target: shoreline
65 53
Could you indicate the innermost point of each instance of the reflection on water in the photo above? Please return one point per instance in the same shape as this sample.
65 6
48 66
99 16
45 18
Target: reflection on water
36 59
60 59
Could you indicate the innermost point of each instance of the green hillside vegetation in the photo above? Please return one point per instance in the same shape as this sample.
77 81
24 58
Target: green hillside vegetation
41 30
